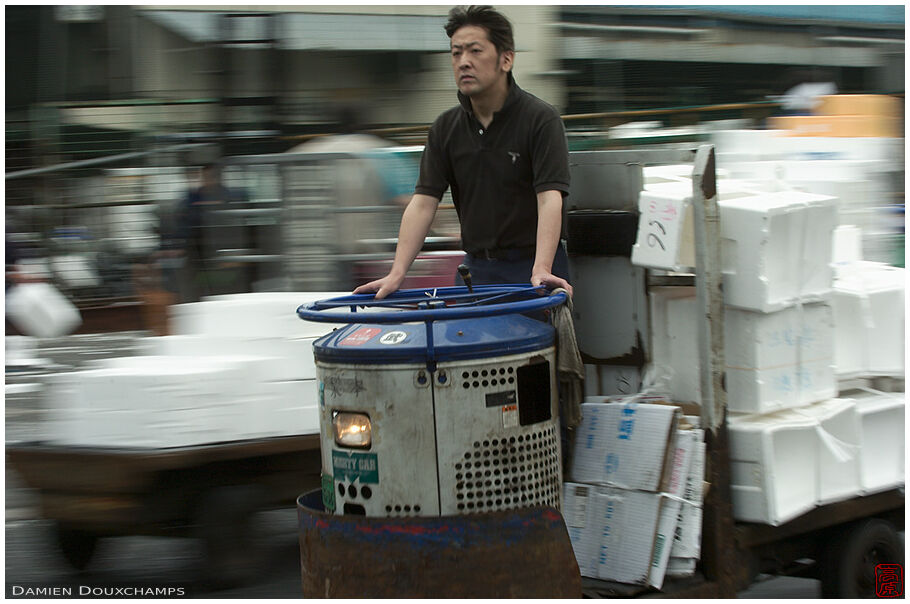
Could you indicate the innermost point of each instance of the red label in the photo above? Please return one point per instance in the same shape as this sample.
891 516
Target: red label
889 581
360 337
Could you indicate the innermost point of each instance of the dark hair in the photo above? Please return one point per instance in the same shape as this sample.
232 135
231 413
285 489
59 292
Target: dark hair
499 29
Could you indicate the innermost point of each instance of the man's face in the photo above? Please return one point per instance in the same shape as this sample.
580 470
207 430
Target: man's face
476 63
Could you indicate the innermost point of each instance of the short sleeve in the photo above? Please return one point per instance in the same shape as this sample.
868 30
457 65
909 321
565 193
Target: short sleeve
550 156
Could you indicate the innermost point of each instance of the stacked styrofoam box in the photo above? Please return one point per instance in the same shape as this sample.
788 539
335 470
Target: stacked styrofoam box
776 249
868 303
882 435
839 438
773 466
240 367
772 360
630 470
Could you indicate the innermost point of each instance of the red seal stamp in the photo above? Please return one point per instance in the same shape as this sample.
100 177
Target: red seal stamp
889 581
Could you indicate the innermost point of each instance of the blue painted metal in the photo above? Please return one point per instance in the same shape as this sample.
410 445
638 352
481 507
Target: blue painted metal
457 324
465 556
438 304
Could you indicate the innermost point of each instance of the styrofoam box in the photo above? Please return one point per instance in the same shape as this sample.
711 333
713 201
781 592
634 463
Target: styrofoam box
754 145
839 440
776 249
287 408
40 310
666 232
254 315
628 445
608 380
610 308
288 358
772 360
868 302
773 467
165 401
882 448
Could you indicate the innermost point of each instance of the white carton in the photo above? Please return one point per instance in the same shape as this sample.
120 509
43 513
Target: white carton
776 249
868 302
687 538
628 445
288 358
608 380
640 530
579 514
773 466
253 315
666 235
838 435
882 448
772 360
40 310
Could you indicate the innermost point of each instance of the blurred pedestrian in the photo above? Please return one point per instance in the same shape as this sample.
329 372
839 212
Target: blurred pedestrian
504 153
205 233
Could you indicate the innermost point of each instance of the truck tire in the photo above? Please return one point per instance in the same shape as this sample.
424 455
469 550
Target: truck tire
233 554
848 564
77 546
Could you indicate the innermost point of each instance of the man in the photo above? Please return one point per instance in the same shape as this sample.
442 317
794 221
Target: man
203 231
504 153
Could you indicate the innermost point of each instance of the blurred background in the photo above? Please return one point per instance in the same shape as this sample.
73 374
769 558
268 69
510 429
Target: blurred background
111 110
298 131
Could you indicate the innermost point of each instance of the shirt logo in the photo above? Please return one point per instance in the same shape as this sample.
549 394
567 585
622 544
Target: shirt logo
514 156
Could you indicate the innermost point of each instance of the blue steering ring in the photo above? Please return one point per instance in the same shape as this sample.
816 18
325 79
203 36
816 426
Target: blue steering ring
437 304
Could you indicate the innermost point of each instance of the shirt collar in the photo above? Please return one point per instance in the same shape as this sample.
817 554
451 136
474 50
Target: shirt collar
511 98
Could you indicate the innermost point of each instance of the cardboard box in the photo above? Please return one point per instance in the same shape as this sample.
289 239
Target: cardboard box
630 445
687 537
859 104
836 125
620 535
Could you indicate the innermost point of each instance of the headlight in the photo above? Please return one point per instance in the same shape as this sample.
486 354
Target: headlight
352 429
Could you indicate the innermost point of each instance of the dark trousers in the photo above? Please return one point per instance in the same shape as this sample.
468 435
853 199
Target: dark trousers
510 271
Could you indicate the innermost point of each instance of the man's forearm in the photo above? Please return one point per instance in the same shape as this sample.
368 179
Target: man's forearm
549 228
415 224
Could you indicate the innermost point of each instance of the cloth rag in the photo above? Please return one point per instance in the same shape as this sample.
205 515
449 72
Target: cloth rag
570 369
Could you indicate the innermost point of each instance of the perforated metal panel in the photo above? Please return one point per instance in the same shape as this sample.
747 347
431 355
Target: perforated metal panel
514 471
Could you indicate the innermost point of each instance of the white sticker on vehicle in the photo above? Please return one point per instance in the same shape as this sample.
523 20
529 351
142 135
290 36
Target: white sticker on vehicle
393 337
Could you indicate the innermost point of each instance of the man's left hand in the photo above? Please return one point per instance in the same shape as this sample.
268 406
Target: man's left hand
550 280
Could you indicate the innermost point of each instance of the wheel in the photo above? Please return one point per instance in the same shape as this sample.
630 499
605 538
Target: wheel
226 525
848 564
77 546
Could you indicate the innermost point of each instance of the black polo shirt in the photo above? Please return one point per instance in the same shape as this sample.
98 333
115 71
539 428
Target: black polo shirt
496 172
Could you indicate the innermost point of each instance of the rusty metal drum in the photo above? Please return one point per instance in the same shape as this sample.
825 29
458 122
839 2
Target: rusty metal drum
518 553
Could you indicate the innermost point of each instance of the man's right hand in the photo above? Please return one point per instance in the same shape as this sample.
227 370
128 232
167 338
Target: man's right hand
381 287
